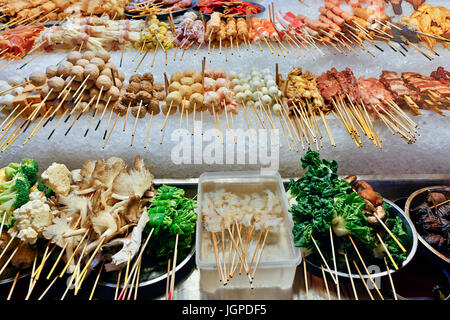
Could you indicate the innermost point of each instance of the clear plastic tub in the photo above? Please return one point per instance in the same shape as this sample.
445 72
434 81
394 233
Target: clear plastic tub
275 273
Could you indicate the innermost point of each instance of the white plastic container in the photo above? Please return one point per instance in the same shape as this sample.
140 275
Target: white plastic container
275 273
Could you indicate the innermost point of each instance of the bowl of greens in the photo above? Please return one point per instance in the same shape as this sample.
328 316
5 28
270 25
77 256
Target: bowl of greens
342 224
172 222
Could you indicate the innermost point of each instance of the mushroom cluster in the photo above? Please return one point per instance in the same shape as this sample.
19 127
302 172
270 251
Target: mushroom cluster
185 92
84 78
142 95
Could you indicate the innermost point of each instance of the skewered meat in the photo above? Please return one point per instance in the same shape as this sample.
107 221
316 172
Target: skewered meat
442 75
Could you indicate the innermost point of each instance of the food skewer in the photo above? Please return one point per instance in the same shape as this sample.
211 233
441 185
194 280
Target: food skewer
390 279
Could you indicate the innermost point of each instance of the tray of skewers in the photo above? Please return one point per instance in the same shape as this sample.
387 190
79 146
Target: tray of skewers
343 226
233 8
141 9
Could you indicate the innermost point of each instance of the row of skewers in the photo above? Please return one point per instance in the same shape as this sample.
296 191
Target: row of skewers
90 83
94 218
336 30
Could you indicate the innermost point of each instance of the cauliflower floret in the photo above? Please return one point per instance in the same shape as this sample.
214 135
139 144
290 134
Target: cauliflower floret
32 218
57 177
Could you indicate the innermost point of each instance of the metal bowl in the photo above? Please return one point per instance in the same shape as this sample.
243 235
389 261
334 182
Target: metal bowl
410 246
155 286
412 201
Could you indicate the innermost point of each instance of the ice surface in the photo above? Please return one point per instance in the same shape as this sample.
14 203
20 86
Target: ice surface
429 154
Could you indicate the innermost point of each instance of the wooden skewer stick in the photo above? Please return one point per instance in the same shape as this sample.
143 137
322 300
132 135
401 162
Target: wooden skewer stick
135 122
387 251
325 281
390 278
174 266
96 280
323 259
363 281
390 233
365 267
13 286
134 266
338 290
9 259
57 260
260 252
148 129
350 276
216 253
126 117
73 254
305 276
48 288
118 283
110 132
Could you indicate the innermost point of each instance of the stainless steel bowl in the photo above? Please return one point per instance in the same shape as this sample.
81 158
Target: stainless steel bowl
410 246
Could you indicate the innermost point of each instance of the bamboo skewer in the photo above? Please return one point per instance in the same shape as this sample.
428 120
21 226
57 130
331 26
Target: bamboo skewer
363 281
365 267
338 290
13 286
387 251
390 279
96 281
390 233
216 252
350 276
325 281
174 266
9 260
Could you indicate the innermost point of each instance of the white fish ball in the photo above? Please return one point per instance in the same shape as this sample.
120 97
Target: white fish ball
266 99
264 90
256 95
238 88
235 82
273 90
7 100
246 86
240 96
248 94
271 83
15 80
276 108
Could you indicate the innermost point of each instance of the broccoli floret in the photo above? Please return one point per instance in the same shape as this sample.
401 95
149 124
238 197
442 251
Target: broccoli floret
28 167
46 190
13 195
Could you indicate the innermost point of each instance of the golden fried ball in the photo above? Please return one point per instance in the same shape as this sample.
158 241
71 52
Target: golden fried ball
176 76
38 78
187 81
197 88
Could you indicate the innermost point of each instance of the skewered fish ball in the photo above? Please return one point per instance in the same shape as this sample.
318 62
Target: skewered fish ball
266 99
73 57
7 100
138 112
77 72
113 92
174 86
104 82
128 97
148 76
165 108
51 71
159 95
158 87
144 96
82 62
99 63
88 55
120 109
197 88
99 107
276 108
74 85
185 91
106 72
133 87
104 55
121 75
64 69
174 98
136 78
38 78
186 106
147 85
89 84
94 92
15 80
56 83
189 73
111 66
197 77
176 76
153 106
196 100
119 84
187 81
92 71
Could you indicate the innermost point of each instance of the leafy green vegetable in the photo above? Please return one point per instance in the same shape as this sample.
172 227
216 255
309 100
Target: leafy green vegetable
396 226
350 219
170 213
